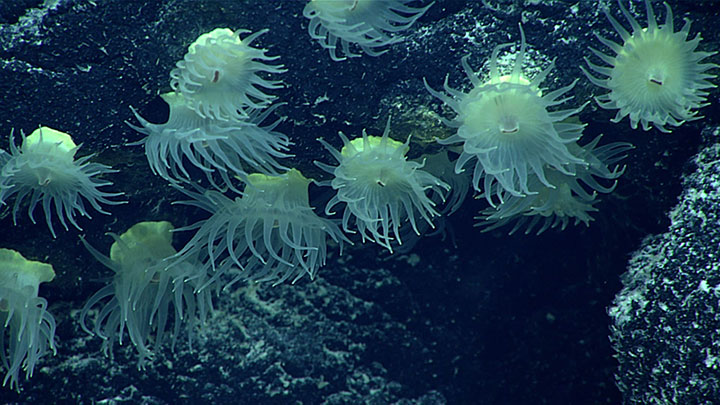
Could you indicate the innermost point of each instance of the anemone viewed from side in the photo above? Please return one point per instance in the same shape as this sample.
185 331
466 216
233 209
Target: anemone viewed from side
45 169
219 75
510 127
27 329
380 188
655 77
368 24
269 233
226 148
144 293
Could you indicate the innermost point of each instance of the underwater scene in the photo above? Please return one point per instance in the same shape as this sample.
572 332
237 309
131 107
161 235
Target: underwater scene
360 202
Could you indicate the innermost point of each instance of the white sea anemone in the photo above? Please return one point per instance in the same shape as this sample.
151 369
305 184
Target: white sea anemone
507 125
270 233
369 24
226 148
569 199
219 75
45 168
655 77
27 328
144 294
379 187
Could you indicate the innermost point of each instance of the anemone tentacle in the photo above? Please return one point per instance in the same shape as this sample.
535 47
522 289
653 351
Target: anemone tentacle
655 78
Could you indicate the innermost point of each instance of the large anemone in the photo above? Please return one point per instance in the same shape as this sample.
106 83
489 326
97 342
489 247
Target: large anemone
379 187
269 233
45 168
655 77
219 75
369 24
216 147
509 126
144 293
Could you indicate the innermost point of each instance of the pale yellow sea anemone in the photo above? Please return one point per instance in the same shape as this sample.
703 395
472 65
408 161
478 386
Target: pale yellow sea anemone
572 198
369 24
219 149
27 329
655 77
511 127
219 75
45 169
144 294
380 188
269 233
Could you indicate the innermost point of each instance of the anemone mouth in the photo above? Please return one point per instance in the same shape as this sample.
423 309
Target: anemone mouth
509 124
656 75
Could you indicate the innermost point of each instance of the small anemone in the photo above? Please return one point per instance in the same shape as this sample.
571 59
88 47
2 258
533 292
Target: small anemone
655 77
225 148
379 187
369 24
508 126
569 200
45 169
219 75
269 233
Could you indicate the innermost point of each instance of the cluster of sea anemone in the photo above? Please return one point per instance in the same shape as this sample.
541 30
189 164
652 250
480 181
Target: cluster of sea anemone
524 146
523 142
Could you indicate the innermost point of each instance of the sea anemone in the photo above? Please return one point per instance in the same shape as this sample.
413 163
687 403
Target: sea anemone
569 199
144 293
506 124
656 76
379 187
45 168
28 328
369 24
227 148
219 75
270 232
